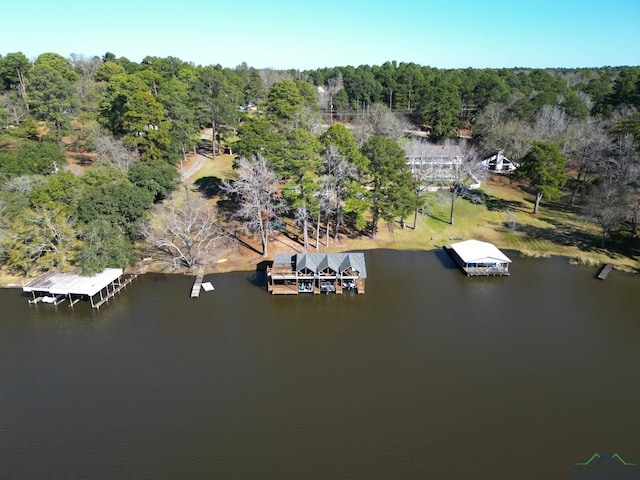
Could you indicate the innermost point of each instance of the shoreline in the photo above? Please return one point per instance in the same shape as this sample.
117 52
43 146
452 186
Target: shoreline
531 236
236 265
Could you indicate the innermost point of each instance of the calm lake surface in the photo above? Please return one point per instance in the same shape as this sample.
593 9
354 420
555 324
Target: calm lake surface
429 375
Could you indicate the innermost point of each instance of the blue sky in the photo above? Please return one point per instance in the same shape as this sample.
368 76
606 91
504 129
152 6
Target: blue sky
306 35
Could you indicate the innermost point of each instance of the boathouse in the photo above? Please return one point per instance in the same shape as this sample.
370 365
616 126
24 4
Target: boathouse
294 273
479 258
54 288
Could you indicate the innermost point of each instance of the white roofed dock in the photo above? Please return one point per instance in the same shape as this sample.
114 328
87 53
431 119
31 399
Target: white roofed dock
105 284
479 258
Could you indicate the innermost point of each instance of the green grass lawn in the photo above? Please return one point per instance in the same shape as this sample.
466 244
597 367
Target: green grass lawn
504 218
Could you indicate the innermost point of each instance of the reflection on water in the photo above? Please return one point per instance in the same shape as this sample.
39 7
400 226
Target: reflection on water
431 374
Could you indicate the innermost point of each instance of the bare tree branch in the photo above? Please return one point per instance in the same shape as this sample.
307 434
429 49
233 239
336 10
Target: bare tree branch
259 196
189 234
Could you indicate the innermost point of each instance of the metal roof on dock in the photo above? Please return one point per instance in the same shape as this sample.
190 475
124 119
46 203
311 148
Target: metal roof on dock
317 262
69 283
480 252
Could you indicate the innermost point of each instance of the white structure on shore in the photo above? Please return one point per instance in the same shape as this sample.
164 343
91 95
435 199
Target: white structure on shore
499 163
437 165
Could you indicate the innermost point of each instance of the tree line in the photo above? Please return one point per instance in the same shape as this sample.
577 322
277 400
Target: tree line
326 148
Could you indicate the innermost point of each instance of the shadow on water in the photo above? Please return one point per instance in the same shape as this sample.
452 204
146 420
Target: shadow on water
259 277
445 259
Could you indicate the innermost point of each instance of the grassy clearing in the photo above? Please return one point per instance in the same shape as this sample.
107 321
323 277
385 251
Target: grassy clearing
221 167
9 280
504 219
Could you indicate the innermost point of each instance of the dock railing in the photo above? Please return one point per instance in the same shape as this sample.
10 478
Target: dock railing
487 271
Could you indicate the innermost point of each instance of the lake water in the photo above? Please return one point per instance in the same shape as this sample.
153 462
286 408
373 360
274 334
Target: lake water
429 375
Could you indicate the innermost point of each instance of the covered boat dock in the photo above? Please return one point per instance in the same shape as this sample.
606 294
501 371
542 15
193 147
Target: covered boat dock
479 258
294 273
98 288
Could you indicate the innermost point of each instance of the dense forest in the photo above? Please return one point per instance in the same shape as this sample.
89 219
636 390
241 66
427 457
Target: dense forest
324 147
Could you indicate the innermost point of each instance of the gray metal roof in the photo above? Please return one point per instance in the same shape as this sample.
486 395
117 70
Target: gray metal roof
317 262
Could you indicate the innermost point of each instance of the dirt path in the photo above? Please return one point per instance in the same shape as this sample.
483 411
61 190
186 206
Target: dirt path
196 161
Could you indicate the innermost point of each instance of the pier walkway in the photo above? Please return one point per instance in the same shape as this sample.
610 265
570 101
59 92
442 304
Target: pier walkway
604 271
197 285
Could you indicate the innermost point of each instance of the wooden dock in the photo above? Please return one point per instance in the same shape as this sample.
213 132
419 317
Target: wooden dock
284 289
195 290
476 271
604 271
112 293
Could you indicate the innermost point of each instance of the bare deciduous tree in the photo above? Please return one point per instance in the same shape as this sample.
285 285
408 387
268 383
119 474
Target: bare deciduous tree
513 138
384 122
551 121
15 107
270 76
589 146
335 185
606 205
114 151
325 94
361 131
307 118
302 220
453 167
465 173
490 118
259 197
24 184
187 234
423 172
627 169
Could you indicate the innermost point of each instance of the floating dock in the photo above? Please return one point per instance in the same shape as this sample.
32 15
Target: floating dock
604 271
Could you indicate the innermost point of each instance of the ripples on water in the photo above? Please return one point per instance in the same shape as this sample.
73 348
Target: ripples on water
429 375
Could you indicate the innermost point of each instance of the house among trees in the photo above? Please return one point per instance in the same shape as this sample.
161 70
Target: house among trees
438 165
294 273
496 161
479 258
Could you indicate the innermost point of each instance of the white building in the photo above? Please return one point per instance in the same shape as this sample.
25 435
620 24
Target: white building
499 163
436 164
479 258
